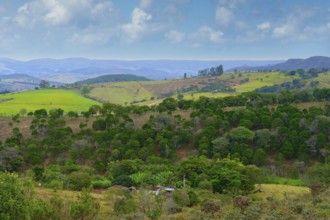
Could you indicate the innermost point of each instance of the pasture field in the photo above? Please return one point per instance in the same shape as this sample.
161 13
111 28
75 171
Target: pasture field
144 90
48 99
120 93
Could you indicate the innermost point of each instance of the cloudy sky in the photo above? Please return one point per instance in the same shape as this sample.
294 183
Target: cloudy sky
164 29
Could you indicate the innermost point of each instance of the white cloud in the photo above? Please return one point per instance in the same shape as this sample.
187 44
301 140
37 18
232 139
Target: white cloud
223 16
58 15
90 38
225 11
62 12
145 3
175 36
264 26
283 30
206 33
139 23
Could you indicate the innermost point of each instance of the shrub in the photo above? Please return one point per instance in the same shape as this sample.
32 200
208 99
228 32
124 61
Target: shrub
78 180
123 180
242 202
211 207
124 206
181 197
55 185
85 207
101 184
205 184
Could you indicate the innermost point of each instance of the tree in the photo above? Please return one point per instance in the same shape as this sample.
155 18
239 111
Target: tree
85 207
14 198
241 134
44 84
85 90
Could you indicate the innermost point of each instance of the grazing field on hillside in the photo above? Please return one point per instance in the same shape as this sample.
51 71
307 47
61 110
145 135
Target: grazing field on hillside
48 99
120 93
190 88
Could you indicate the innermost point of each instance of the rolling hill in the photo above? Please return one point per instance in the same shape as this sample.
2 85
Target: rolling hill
20 82
114 78
71 70
317 62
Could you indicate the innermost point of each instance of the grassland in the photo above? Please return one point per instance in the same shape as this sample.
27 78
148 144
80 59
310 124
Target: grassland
106 199
120 93
144 90
48 99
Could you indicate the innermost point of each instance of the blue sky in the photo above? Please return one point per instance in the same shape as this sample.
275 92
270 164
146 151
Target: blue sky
164 29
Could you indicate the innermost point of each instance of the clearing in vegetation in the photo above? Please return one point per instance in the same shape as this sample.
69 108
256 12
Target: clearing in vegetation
48 99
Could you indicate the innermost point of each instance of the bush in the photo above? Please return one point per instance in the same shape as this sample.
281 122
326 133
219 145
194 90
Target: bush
173 207
85 207
78 180
124 206
205 184
14 201
242 202
123 180
55 185
181 197
101 184
211 207
193 198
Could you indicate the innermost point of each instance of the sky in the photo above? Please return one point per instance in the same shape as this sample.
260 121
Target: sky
165 29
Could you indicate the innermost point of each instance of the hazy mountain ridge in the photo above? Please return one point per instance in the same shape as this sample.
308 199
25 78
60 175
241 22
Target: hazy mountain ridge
20 82
317 62
74 69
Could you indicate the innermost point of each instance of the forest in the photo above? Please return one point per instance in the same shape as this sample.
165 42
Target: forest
214 154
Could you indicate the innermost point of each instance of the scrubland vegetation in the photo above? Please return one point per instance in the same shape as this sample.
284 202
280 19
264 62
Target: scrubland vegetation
221 156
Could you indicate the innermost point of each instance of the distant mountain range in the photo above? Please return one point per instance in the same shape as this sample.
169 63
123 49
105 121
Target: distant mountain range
76 69
20 82
25 75
317 62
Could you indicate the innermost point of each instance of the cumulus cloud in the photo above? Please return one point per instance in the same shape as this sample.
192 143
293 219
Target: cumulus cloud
62 12
145 3
223 16
207 34
139 23
225 11
264 26
90 38
175 36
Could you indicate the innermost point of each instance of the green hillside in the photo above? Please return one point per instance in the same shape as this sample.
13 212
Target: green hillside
228 84
67 100
114 78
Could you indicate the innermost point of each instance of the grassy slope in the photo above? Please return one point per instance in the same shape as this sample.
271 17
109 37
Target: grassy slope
120 93
47 99
128 90
278 192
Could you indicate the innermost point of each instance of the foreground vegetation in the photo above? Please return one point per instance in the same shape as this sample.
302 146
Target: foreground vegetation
218 157
275 202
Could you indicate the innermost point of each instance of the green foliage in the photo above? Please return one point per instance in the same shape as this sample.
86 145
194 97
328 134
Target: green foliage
241 134
14 197
181 197
123 180
320 172
85 207
230 176
124 206
114 78
78 180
